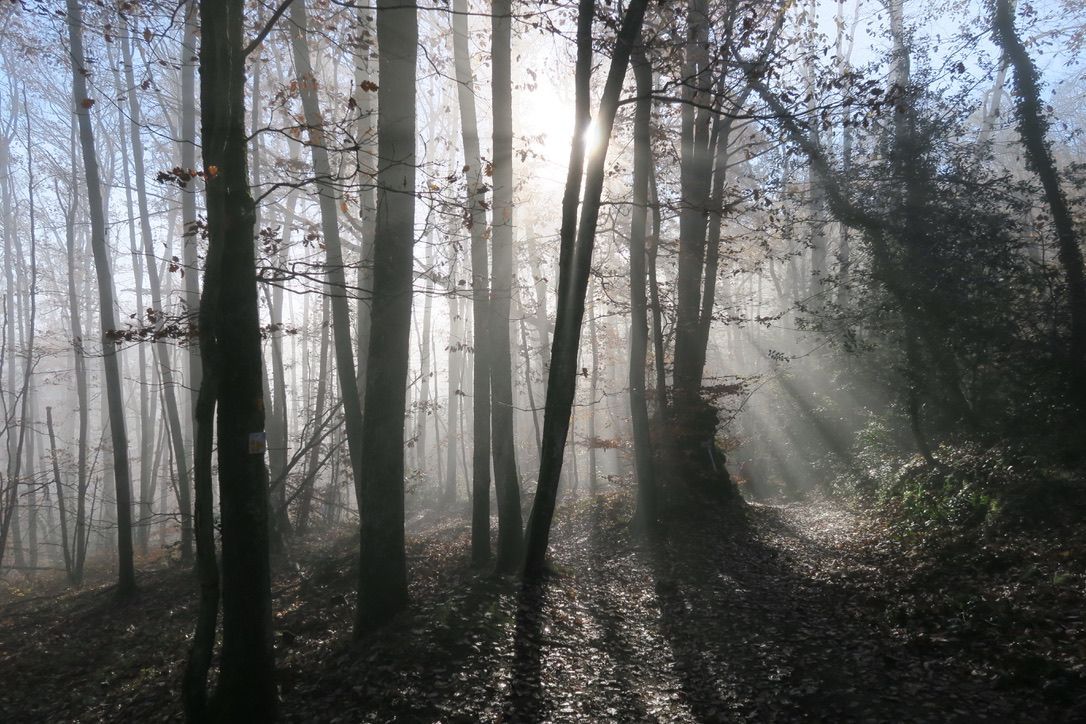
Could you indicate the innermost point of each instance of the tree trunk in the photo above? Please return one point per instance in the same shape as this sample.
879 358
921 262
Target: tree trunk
1033 129
382 571
593 386
79 364
456 354
312 467
695 167
571 296
639 413
230 325
60 494
190 234
126 572
506 478
423 407
480 290
336 286
147 420
654 302
366 161
173 416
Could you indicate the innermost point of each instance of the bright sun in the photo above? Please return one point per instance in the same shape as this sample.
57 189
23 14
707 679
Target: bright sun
549 116
593 138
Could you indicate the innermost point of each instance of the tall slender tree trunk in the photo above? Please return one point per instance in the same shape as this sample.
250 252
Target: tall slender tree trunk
480 290
639 412
147 421
79 364
456 355
571 295
336 286
59 487
27 428
658 344
506 478
593 388
382 567
425 372
366 164
526 354
305 502
190 234
173 415
126 572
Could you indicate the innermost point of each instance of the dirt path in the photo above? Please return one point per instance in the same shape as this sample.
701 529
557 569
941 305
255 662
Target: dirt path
783 618
782 622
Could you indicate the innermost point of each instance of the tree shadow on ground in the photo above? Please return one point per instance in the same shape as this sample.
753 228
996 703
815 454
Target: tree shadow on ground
758 629
439 661
525 701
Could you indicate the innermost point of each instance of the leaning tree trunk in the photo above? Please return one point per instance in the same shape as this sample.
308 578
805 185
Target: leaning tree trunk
126 572
571 301
1033 129
232 325
382 570
337 281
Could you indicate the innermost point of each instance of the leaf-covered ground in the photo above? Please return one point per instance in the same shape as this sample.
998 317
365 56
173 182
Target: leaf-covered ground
794 613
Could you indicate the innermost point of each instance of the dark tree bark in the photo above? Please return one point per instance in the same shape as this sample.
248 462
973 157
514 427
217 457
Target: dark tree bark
1033 129
659 369
639 412
506 479
382 571
695 171
573 284
230 331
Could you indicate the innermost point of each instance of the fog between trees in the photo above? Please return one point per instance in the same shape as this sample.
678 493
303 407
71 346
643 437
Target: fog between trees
278 269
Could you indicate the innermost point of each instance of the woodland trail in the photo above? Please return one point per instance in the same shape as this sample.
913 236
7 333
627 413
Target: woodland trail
783 620
788 616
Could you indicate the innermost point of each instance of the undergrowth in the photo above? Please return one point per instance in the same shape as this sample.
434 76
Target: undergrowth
970 487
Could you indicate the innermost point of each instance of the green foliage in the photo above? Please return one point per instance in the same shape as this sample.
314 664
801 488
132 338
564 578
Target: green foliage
972 488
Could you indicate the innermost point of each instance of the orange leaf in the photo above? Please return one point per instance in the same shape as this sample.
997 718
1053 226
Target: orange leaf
212 171
87 102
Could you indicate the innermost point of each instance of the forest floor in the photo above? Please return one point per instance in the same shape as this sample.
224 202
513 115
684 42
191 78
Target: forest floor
800 612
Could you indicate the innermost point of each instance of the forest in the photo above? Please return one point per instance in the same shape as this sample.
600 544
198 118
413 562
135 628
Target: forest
542 361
